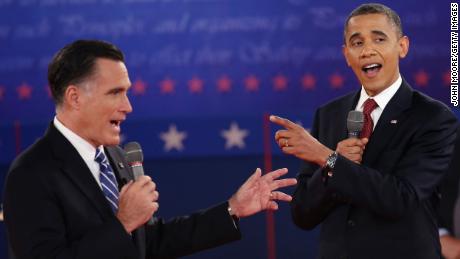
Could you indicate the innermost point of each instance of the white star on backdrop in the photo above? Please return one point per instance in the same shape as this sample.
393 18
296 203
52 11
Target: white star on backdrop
173 139
234 136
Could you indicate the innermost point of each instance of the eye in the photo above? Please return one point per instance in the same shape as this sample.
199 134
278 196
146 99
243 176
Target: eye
116 91
356 43
380 39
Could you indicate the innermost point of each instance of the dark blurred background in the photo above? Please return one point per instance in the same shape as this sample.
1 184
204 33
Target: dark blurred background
205 75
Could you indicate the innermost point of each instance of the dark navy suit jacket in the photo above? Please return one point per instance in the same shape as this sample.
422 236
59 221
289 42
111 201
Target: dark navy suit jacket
384 207
54 208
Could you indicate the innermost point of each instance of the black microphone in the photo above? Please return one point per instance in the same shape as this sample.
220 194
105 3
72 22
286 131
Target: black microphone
355 123
135 157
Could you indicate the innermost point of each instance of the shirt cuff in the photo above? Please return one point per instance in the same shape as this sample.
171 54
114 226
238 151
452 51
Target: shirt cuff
443 232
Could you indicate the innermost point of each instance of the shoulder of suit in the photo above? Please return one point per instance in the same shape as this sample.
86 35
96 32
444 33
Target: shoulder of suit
428 104
339 102
33 158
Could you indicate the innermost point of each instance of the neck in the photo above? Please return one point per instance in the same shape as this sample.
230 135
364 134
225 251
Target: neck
71 122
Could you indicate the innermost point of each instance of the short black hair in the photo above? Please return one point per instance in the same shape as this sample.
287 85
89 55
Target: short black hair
76 62
374 8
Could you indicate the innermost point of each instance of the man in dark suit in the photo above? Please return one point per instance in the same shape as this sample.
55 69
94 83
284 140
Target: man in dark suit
374 195
72 194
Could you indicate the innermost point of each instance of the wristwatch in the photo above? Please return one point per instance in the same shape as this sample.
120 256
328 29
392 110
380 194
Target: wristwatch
329 167
330 162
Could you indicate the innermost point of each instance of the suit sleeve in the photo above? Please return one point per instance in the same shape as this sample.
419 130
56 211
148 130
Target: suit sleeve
185 235
37 228
312 201
450 190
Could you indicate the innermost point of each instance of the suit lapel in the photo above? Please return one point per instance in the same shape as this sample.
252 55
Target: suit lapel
388 123
76 169
340 130
119 164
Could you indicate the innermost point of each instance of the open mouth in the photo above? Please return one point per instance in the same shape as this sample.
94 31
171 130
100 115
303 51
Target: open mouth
371 70
115 123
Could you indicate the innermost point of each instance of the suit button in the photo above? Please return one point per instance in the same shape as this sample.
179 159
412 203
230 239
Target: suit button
351 223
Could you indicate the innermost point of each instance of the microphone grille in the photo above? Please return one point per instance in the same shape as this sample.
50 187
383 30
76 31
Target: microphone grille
133 152
355 121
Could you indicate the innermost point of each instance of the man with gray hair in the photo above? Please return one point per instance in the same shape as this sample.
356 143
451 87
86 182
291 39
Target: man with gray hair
73 195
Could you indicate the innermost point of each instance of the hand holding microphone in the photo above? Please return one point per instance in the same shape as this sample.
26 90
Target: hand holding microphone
353 147
138 199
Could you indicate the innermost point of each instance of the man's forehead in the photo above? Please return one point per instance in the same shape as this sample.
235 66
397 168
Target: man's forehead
369 23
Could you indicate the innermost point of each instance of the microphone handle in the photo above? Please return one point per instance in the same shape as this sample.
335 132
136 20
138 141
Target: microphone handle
353 134
138 170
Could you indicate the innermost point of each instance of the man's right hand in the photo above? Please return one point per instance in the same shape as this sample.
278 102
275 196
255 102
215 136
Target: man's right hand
137 202
352 148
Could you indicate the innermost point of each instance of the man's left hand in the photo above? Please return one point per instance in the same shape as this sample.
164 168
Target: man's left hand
259 193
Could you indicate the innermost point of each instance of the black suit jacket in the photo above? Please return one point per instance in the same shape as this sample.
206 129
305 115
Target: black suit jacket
450 192
54 208
383 208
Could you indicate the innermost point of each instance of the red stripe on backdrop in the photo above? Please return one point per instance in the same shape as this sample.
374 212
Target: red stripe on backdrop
270 223
17 136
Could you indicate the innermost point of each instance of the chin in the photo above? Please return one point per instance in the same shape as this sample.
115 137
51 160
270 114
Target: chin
112 142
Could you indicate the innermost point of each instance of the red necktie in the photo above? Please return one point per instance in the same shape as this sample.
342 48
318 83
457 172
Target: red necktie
368 126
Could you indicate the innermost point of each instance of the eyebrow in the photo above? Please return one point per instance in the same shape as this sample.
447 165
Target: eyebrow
380 33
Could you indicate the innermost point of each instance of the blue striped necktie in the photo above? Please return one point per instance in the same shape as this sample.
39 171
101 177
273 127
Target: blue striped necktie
108 181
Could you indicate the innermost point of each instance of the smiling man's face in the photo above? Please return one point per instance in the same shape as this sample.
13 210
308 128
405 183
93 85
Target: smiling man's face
372 49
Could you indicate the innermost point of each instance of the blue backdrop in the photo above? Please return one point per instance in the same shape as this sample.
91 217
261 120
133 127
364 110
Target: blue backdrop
204 73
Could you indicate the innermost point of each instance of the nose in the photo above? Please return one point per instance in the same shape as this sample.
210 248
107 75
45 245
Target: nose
367 51
126 106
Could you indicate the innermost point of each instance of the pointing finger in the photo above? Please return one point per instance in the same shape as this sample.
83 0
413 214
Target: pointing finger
283 122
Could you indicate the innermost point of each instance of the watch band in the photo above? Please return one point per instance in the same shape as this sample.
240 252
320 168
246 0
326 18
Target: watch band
329 167
330 161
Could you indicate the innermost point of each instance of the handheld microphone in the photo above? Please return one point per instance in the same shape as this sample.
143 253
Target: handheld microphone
135 157
355 123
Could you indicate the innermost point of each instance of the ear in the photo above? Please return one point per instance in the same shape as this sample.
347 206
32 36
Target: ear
403 46
72 97
345 54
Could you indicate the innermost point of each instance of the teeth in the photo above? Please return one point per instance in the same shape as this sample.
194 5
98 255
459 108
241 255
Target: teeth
371 66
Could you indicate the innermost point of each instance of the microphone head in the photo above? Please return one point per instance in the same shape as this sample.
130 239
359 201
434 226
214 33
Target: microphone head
134 153
355 122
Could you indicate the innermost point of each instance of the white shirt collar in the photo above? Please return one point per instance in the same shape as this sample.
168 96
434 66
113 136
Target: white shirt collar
382 98
83 147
